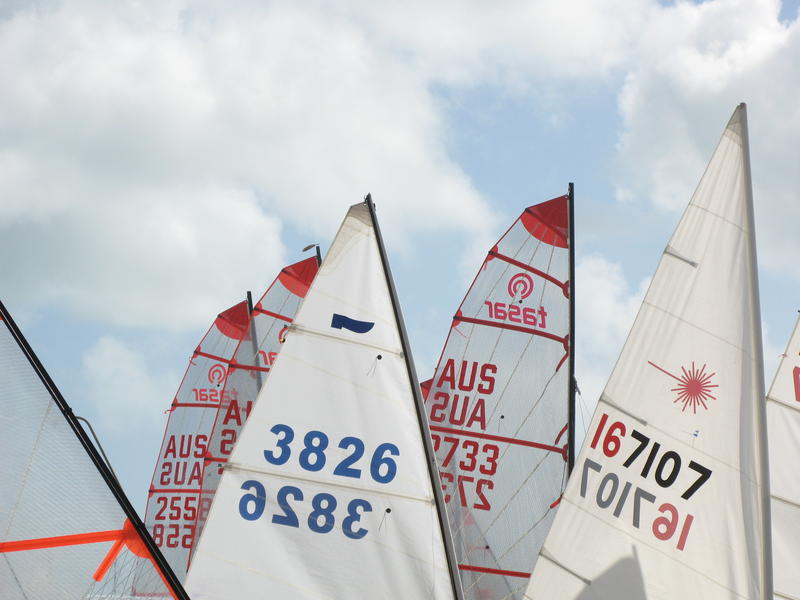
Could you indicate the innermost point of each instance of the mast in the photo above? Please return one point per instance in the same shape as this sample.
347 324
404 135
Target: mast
99 463
571 376
253 339
761 413
419 405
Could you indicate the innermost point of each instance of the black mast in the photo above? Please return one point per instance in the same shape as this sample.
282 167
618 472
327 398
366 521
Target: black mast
253 339
571 374
105 472
419 404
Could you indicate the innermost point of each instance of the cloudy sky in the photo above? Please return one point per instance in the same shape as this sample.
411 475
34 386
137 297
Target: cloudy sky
160 158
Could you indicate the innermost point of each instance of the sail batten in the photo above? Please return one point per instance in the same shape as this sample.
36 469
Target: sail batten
667 498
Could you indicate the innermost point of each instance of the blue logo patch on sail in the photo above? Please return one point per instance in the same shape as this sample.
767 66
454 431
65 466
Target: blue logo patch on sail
341 322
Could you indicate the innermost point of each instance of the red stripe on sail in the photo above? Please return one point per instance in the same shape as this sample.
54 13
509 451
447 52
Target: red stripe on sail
498 438
269 313
544 334
236 365
178 491
209 459
562 432
62 540
199 352
127 537
491 571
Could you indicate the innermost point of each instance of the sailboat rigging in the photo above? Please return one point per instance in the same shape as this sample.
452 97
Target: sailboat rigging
330 491
68 530
670 494
270 317
220 385
501 402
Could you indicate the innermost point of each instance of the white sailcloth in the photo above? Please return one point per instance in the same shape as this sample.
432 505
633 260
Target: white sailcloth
783 423
669 494
328 491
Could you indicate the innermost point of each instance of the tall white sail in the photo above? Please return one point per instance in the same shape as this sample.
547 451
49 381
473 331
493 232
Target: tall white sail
783 424
669 497
328 492
498 404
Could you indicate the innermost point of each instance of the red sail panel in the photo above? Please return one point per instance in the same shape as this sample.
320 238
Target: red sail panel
252 359
67 529
498 404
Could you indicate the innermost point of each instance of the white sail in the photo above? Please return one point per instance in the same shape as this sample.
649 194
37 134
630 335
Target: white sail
783 424
669 497
328 492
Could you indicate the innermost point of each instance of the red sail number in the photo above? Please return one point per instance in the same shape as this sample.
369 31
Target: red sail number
612 441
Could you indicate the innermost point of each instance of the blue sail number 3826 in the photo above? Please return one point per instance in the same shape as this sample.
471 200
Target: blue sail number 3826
312 457
321 519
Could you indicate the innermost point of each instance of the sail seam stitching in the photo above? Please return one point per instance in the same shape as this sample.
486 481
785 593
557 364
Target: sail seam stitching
718 216
784 500
682 320
300 329
243 468
783 404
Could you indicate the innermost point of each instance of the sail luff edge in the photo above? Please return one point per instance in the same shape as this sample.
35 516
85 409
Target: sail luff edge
761 412
452 562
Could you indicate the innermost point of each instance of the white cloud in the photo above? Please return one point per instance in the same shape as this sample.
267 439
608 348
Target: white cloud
511 42
127 395
606 306
156 148
694 63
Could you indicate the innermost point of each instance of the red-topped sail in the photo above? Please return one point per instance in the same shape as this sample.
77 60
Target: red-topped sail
498 404
233 322
66 528
548 222
272 315
224 356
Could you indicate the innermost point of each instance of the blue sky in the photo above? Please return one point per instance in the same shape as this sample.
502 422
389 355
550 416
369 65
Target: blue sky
158 159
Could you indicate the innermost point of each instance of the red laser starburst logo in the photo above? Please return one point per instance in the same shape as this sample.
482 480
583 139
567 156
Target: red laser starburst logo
694 386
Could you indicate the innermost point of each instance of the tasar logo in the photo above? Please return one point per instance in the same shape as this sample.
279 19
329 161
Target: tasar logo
520 286
694 386
216 373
